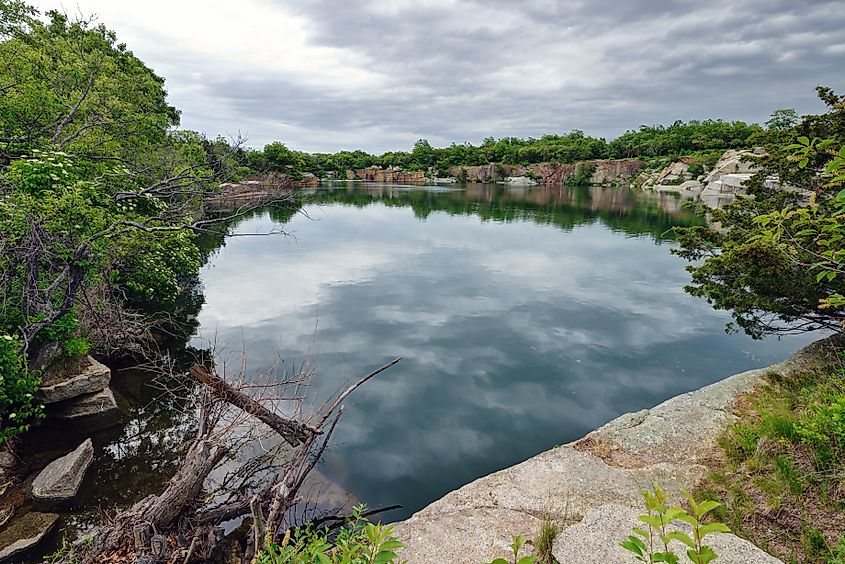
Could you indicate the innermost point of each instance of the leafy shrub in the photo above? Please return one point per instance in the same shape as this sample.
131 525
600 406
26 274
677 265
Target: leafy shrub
695 169
17 390
65 332
644 543
583 175
359 542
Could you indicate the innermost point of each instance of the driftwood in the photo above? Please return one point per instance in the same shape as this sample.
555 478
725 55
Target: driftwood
178 512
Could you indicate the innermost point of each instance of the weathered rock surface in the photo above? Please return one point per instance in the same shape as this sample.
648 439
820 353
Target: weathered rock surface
689 186
611 171
7 460
596 481
25 533
92 378
521 181
675 171
732 162
99 403
6 514
60 480
392 175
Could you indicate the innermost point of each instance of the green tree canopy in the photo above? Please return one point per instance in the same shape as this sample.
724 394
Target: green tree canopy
776 261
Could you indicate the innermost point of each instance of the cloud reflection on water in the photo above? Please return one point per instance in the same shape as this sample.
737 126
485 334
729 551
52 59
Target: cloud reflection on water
515 335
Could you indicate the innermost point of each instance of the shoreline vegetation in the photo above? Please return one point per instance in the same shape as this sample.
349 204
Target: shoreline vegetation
104 205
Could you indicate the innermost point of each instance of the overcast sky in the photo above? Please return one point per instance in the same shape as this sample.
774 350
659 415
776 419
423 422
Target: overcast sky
324 75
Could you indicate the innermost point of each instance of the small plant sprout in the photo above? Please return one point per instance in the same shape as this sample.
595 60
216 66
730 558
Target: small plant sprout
652 544
517 544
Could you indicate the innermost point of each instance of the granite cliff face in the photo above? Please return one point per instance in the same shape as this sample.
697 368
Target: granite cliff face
389 175
612 171
719 186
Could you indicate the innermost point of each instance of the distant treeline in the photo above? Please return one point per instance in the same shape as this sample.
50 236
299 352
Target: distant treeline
680 138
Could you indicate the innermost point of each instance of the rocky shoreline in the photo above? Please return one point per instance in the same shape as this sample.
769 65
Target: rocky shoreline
72 395
714 185
593 486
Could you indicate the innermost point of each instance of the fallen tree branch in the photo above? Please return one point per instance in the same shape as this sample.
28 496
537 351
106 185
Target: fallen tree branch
294 432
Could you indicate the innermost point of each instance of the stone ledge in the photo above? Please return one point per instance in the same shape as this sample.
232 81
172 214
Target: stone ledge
93 378
99 403
25 533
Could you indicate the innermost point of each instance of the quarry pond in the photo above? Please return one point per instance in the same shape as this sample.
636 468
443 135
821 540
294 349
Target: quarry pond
525 318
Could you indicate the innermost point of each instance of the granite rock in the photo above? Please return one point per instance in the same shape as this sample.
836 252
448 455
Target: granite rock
60 480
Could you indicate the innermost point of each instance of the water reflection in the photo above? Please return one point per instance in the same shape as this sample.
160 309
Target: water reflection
525 318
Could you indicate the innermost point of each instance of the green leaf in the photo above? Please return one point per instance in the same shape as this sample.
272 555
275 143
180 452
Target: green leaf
714 528
706 555
527 560
803 140
682 537
627 545
669 557
673 513
500 561
706 507
385 556
650 520
689 519
642 532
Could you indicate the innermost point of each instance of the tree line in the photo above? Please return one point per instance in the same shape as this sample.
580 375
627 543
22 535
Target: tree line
649 141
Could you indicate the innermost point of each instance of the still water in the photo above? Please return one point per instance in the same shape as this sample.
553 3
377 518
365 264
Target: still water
524 317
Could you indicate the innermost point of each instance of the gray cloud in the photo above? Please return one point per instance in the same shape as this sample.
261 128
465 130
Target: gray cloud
454 71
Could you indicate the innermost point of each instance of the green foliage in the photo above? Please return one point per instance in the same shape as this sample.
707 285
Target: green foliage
788 450
97 193
837 553
67 553
64 331
776 262
683 138
583 175
649 142
516 546
544 542
462 177
643 544
17 390
695 169
359 542
782 120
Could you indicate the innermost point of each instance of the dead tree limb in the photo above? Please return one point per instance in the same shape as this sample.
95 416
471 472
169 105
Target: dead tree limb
224 411
294 432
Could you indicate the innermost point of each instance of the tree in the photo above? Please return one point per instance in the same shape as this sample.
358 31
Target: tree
776 262
782 120
99 199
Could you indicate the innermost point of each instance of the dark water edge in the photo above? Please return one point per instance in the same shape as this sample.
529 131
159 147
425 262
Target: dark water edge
525 318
